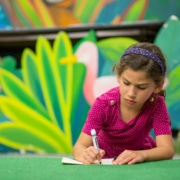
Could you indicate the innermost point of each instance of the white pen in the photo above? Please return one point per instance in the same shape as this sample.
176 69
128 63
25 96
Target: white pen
94 139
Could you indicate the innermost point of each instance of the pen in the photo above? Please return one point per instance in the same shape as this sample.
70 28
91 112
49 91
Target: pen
94 139
115 157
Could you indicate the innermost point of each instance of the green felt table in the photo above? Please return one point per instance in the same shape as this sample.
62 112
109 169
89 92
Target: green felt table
51 168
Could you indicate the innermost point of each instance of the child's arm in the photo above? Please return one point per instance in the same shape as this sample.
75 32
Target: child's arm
84 151
164 150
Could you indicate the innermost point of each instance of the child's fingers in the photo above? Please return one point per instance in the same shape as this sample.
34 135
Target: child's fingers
102 152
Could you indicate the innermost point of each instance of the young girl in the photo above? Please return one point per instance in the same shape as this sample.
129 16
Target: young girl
124 116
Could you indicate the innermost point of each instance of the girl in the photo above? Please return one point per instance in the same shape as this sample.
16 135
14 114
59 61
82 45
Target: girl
124 116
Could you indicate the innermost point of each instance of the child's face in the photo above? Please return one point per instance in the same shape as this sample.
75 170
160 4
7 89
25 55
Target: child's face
135 88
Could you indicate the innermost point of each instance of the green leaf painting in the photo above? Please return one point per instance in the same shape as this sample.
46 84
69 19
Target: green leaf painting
39 107
45 103
91 36
111 50
8 63
136 11
44 106
173 97
168 40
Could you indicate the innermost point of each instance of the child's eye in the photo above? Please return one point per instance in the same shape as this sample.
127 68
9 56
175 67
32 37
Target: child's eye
142 88
126 83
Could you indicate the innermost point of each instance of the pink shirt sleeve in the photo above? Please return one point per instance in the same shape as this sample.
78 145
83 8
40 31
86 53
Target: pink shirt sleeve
95 117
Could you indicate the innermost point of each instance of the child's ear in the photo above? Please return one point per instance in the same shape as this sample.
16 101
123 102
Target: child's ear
158 88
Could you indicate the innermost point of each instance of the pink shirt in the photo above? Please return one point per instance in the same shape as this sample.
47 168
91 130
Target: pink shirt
115 135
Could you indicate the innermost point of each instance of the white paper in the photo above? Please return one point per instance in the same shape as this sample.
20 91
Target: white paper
66 160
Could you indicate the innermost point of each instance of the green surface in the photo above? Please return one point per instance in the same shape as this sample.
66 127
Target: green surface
17 168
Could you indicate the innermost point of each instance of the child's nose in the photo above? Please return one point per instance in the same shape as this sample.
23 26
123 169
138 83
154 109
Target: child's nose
132 92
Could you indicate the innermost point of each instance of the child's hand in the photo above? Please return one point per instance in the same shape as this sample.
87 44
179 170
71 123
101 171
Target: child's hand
130 157
91 154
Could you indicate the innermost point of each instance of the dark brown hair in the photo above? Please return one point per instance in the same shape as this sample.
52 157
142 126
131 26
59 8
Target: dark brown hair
139 62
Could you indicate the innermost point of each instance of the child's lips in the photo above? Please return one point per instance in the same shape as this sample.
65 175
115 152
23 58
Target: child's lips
130 101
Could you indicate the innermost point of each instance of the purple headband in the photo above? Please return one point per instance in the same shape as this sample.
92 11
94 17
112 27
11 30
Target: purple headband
146 53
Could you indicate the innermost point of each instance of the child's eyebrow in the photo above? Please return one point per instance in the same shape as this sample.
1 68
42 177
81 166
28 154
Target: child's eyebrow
142 84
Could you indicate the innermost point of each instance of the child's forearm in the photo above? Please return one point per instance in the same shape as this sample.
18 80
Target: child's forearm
77 151
158 153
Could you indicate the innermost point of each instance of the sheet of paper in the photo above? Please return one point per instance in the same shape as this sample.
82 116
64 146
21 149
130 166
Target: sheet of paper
66 160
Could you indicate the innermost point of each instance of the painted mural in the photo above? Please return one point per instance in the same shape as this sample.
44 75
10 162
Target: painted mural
28 14
44 104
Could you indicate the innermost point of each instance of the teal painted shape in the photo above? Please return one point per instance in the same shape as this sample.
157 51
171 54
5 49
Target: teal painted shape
5 22
162 9
168 40
110 51
173 97
111 10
